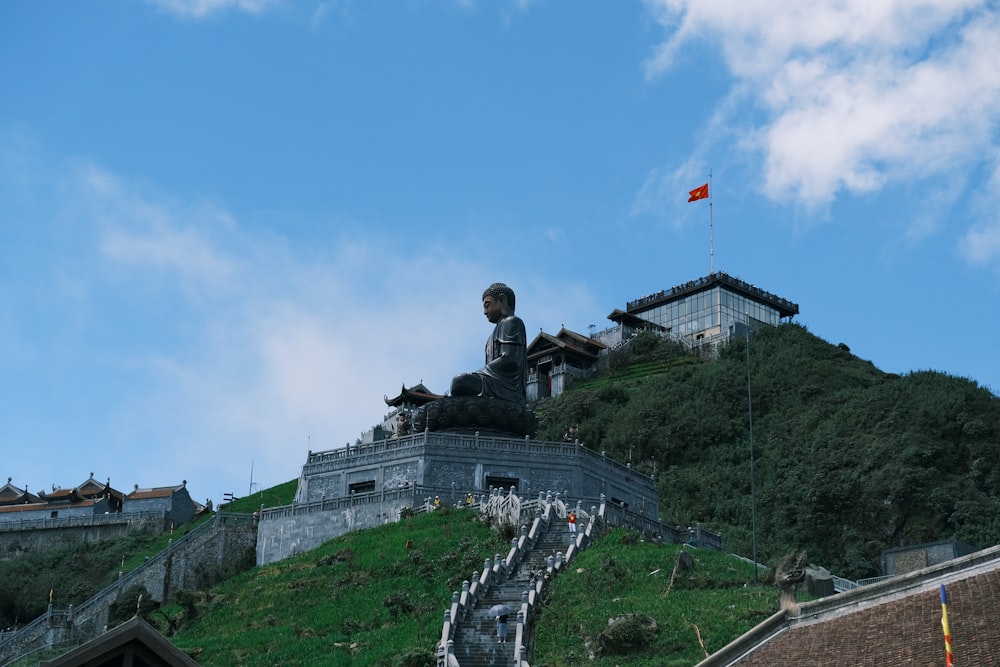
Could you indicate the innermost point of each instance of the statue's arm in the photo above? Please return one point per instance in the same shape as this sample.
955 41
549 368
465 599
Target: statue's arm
509 348
507 360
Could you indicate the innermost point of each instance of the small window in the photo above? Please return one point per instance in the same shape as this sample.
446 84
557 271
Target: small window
54 514
362 487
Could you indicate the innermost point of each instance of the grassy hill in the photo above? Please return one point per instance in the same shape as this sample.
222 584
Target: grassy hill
365 599
697 613
72 572
849 460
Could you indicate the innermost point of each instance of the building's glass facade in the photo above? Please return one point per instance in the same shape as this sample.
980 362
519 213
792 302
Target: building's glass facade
713 312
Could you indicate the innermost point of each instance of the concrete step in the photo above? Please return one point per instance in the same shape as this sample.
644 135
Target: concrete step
475 636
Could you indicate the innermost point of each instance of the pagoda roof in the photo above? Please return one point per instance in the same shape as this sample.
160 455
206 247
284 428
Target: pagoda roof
11 495
134 642
63 495
154 492
574 344
91 488
418 394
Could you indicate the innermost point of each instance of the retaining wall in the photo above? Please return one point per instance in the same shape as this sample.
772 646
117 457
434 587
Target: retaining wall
192 562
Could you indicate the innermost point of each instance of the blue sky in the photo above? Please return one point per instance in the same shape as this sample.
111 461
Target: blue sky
231 227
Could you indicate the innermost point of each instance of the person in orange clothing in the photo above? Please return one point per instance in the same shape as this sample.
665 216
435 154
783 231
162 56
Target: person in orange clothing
572 521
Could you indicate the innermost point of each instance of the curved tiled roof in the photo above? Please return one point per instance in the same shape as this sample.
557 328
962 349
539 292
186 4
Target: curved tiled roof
894 623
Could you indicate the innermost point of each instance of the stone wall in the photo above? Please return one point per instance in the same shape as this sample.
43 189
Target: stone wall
38 539
402 472
195 561
296 529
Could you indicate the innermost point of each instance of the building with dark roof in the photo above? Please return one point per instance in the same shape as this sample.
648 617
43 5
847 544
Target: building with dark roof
10 495
699 314
87 499
174 501
134 643
403 407
894 623
554 360
702 313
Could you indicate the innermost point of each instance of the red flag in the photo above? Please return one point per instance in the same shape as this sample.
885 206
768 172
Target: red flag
699 193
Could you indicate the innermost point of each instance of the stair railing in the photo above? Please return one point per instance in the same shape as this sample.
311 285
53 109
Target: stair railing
554 565
462 603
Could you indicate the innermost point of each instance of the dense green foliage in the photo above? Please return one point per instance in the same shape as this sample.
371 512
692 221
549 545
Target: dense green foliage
848 460
701 610
364 598
73 572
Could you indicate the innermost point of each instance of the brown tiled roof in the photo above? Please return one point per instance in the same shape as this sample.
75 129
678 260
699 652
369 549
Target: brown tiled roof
897 623
11 495
22 508
46 506
567 340
158 492
62 494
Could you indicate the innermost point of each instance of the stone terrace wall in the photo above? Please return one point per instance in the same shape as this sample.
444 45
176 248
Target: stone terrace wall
295 529
404 471
37 536
194 561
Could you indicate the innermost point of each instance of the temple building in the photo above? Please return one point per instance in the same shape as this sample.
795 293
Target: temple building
174 502
700 314
553 361
706 312
87 499
92 499
402 408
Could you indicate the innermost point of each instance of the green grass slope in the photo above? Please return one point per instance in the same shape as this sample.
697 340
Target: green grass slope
364 598
697 612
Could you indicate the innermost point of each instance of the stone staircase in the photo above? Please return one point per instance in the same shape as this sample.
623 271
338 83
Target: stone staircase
475 637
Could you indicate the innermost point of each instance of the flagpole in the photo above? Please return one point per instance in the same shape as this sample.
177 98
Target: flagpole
711 238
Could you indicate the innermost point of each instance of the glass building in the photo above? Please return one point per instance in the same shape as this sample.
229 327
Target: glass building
706 311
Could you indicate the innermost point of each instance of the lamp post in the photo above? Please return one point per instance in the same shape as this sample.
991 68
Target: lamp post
753 484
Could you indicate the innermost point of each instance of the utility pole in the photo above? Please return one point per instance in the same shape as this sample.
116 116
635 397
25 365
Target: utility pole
753 484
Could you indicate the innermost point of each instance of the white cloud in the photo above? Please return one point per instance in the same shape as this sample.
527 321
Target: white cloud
981 243
850 95
142 229
281 347
199 9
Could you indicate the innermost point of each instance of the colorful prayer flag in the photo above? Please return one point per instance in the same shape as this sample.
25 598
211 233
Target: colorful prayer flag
699 193
949 659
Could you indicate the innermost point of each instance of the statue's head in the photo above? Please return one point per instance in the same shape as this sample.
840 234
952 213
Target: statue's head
498 302
500 291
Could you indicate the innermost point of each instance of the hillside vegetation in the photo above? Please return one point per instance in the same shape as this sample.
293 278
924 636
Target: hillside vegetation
848 460
75 571
71 573
370 597
696 612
